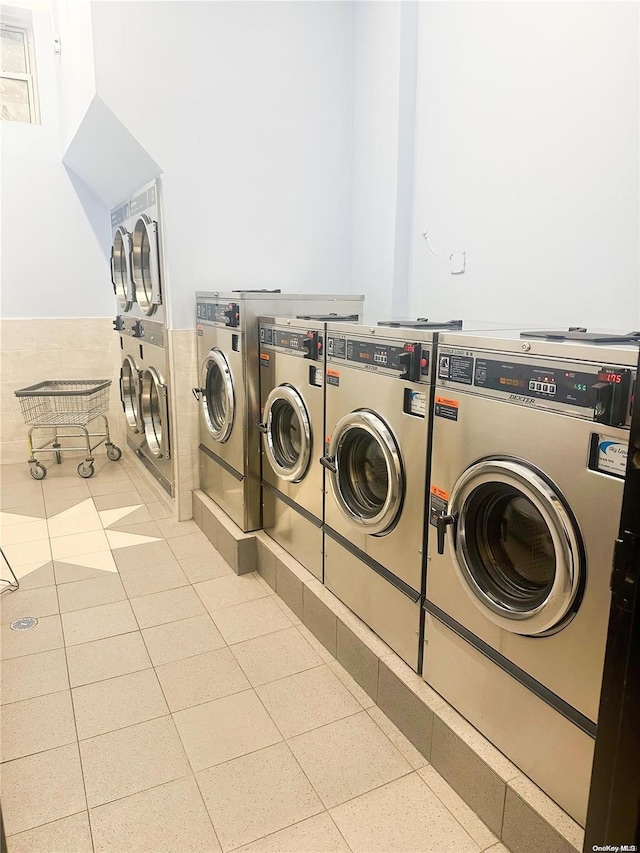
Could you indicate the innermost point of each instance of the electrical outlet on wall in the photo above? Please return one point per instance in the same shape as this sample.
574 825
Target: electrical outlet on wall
458 262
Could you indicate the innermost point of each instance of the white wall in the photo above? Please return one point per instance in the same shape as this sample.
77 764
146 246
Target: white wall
375 146
74 65
53 263
247 110
527 158
385 59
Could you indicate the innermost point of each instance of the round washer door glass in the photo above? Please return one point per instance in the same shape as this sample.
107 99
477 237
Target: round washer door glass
288 436
218 401
368 481
153 411
120 268
517 548
146 264
129 391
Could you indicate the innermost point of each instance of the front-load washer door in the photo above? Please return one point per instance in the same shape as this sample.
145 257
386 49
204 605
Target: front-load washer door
217 400
121 269
518 551
145 256
155 413
130 393
287 431
365 472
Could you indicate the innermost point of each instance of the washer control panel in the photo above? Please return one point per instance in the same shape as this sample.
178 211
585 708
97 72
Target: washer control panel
219 313
409 361
308 342
603 392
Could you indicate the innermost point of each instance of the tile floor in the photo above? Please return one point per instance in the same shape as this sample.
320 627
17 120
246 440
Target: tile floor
163 703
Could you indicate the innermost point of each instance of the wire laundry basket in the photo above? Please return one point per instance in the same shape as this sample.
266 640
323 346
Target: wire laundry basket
65 404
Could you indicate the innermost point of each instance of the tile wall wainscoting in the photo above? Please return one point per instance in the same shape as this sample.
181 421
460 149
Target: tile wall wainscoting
33 351
184 376
66 348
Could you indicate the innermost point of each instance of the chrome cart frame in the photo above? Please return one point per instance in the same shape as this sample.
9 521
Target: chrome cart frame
67 404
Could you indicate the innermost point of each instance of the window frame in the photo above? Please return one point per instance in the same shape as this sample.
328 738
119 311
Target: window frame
22 24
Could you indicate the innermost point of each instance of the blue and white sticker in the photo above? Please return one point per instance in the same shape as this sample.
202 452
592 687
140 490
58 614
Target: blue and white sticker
612 456
418 404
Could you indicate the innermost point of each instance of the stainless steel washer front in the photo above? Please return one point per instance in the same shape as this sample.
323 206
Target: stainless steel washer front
288 433
146 264
230 458
155 413
517 549
130 393
121 269
525 497
137 255
378 390
368 481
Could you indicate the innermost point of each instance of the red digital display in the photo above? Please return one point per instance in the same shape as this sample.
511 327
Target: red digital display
608 376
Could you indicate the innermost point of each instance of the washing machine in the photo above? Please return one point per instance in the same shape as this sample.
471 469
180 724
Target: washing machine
292 426
228 395
130 372
136 255
145 396
528 456
378 399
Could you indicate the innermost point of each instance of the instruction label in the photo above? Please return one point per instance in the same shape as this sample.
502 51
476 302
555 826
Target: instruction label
333 377
456 368
445 408
439 502
265 359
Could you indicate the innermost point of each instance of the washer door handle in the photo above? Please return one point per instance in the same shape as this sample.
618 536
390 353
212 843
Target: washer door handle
263 428
113 272
199 393
442 522
329 462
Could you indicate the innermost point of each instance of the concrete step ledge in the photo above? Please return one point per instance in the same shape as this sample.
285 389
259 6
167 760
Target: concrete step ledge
235 547
522 816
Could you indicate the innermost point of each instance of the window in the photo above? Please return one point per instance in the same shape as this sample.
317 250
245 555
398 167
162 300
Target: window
18 100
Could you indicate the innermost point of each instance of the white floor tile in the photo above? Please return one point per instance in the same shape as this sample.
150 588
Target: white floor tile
80 543
15 534
124 540
28 553
110 516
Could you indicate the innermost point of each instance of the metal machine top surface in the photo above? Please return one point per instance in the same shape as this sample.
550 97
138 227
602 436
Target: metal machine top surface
386 333
277 295
581 334
421 323
518 342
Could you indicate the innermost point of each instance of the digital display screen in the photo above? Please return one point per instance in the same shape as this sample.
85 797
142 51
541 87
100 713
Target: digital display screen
610 376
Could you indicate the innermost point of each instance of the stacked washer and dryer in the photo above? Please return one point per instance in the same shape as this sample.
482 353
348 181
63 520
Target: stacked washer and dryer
529 453
229 389
137 278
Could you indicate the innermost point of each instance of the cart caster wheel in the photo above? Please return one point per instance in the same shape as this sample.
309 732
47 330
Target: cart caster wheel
86 470
58 456
113 453
38 472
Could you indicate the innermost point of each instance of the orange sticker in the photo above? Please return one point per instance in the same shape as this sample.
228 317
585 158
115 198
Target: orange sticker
443 401
333 372
440 493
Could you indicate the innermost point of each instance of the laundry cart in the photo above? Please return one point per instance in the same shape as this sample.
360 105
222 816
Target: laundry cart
67 404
